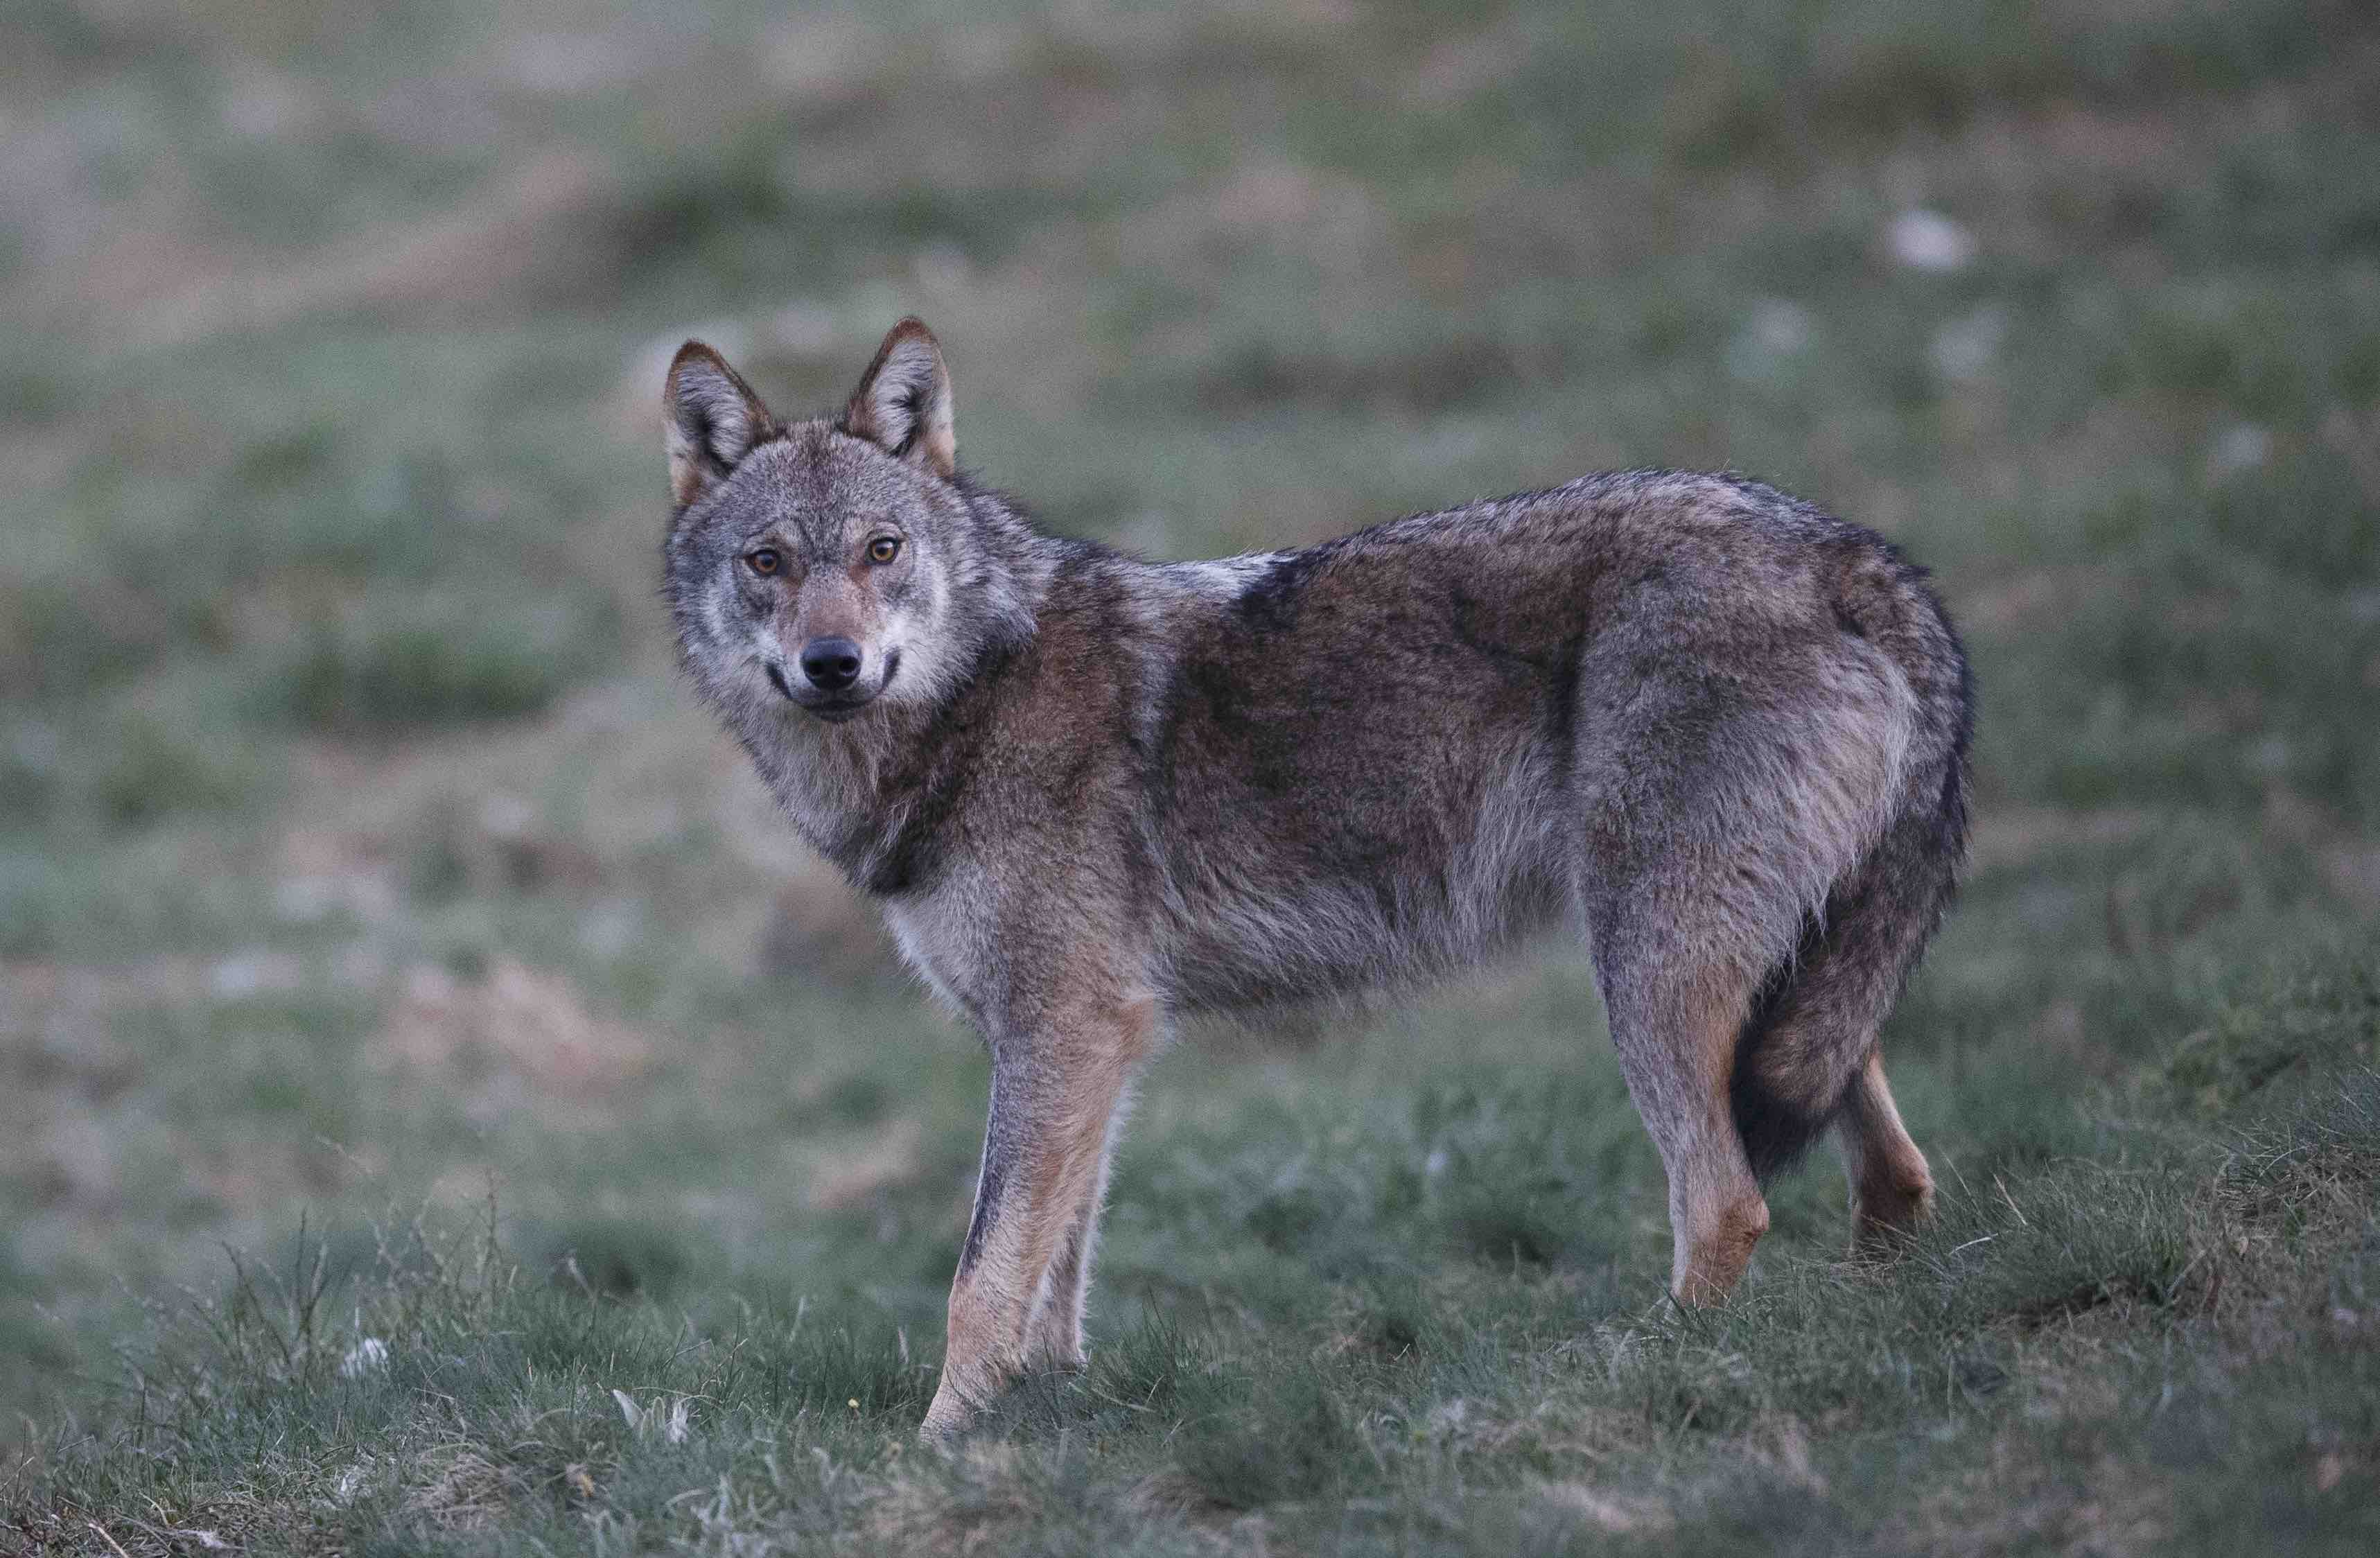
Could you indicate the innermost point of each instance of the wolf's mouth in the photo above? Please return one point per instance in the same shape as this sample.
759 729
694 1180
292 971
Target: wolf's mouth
834 711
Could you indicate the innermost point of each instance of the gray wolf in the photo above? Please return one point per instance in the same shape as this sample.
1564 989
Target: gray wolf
1714 732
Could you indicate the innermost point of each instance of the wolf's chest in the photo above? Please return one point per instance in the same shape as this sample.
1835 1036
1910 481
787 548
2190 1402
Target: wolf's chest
947 936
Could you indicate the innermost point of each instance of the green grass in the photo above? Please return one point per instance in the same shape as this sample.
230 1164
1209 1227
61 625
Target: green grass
374 905
2187 1303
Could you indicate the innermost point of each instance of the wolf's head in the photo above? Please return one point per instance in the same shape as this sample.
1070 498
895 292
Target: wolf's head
843 563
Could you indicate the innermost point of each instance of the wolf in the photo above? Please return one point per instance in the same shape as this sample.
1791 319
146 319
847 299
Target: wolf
1714 733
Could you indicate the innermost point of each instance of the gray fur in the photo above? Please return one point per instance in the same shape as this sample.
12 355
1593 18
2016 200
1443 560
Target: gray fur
1716 733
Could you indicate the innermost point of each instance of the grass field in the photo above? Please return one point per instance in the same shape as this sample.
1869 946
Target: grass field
442 1109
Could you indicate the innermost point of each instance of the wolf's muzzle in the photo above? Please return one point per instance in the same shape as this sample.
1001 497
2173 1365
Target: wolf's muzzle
832 665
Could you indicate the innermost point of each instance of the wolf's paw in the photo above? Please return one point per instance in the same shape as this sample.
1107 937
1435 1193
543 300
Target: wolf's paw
1887 1208
947 1418
1711 1258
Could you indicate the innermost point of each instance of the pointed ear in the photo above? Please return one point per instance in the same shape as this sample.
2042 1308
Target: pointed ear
902 404
714 420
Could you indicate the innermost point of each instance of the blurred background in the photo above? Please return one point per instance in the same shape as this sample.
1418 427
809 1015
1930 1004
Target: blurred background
359 850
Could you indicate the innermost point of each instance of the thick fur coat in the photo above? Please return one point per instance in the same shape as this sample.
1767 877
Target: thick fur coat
1714 732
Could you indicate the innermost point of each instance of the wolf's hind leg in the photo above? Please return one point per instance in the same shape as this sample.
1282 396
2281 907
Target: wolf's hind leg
1675 1028
1892 1189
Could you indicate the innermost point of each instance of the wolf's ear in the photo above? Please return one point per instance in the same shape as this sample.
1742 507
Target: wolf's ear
902 404
714 420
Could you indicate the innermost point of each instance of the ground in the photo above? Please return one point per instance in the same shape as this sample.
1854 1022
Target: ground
442 1109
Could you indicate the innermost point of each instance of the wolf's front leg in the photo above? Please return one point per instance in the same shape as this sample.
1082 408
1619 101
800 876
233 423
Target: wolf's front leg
1054 1093
1053 1337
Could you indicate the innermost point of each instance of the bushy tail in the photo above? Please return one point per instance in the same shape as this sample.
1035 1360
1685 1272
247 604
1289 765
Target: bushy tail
1814 1016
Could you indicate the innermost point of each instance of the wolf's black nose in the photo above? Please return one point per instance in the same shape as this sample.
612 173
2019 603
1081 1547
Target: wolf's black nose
832 665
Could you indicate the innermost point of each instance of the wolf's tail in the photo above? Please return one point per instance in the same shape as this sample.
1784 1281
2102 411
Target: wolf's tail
1813 1018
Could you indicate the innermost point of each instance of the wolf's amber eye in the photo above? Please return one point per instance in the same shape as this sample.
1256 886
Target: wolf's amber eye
883 548
764 562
